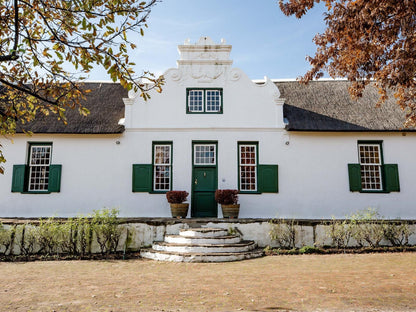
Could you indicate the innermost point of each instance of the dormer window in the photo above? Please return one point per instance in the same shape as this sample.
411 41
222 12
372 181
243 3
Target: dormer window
203 101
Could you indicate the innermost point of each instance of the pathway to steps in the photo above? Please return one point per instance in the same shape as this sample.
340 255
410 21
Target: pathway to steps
202 245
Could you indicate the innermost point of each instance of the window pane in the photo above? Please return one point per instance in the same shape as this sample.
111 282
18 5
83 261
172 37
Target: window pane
370 161
204 154
39 161
162 167
213 100
162 154
195 100
248 167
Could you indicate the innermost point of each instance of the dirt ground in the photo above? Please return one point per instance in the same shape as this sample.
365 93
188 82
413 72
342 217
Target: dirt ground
365 282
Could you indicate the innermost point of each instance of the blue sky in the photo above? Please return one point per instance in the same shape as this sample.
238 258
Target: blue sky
265 42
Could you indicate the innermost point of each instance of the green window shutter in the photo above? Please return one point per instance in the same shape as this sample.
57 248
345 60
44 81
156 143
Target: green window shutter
142 178
391 176
54 184
354 174
18 179
268 179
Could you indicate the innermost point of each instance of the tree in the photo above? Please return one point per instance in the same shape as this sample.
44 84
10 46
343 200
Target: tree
47 47
366 41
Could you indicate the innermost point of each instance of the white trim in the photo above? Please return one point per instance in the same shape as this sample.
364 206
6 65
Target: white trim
372 174
241 165
214 156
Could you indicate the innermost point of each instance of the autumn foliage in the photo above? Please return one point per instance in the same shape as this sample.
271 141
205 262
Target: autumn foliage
48 47
366 41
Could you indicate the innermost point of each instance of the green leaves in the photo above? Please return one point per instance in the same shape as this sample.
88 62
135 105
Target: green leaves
60 41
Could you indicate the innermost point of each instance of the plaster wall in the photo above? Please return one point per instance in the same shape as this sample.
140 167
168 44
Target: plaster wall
313 175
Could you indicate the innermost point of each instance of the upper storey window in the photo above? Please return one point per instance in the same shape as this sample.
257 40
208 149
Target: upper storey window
201 101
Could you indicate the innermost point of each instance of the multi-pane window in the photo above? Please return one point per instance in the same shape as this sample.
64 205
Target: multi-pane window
248 167
162 167
204 100
204 154
213 100
371 164
39 162
196 101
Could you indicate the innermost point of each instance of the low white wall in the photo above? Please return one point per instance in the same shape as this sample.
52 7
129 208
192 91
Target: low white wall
144 232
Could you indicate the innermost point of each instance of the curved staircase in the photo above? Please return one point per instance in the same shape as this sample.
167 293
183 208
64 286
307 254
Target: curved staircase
202 245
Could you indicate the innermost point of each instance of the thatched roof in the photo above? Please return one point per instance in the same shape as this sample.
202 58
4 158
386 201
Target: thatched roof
106 106
327 106
317 106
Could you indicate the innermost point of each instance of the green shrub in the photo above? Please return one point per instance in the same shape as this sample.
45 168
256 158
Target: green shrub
27 238
49 236
283 232
397 233
76 236
105 225
309 250
367 227
7 238
339 232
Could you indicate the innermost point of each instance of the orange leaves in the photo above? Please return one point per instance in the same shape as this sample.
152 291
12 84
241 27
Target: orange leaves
366 40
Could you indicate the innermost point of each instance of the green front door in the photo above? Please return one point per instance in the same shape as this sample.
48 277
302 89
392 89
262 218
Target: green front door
203 197
204 180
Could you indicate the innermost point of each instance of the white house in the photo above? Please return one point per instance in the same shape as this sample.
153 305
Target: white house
292 150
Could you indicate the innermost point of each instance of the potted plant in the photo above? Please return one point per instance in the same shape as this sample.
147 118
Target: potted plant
176 199
229 202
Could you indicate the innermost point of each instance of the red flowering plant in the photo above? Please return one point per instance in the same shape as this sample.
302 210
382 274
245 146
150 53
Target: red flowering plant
226 197
176 197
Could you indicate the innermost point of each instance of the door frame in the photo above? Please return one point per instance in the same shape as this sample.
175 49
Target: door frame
202 142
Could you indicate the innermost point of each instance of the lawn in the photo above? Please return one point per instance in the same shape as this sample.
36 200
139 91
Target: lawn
364 282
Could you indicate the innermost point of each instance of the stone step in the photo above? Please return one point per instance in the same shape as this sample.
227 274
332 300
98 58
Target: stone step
198 257
241 246
203 232
178 239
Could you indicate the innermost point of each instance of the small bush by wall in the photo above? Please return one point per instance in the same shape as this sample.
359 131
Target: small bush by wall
365 228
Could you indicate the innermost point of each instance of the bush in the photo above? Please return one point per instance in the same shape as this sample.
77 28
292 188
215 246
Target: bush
309 250
367 227
397 233
76 236
7 238
105 225
49 236
339 232
176 197
226 197
27 238
283 232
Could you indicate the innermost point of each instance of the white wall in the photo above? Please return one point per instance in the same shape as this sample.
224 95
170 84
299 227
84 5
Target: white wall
313 175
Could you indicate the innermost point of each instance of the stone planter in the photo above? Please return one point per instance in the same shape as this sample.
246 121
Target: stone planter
230 211
179 210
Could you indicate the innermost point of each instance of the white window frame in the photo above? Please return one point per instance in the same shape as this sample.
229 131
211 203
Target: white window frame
367 169
214 157
191 101
39 172
157 165
204 105
241 166
218 91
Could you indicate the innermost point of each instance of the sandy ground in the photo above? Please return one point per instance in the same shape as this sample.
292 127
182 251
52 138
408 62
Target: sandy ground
370 282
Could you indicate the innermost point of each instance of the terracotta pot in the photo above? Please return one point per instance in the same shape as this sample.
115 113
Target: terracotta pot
230 211
179 210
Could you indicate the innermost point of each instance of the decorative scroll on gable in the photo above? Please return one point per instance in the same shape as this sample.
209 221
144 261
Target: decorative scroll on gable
204 61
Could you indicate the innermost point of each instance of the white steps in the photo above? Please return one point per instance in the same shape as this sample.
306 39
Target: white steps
202 245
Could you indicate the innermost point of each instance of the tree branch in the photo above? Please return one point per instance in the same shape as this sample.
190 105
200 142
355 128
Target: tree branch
13 56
